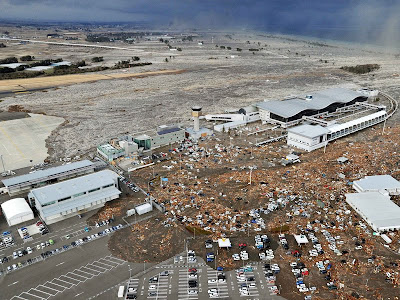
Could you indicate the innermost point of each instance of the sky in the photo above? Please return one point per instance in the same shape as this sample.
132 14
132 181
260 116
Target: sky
356 20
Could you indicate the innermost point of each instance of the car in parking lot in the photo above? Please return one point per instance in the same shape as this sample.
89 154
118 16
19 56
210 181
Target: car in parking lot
152 287
152 294
192 292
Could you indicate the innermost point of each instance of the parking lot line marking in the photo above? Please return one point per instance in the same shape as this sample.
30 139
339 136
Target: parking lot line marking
63 287
70 278
60 263
109 262
97 262
73 274
35 289
13 283
88 274
94 271
46 287
68 283
18 297
78 294
32 295
93 268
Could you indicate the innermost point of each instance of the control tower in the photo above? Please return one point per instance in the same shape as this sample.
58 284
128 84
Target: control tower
196 113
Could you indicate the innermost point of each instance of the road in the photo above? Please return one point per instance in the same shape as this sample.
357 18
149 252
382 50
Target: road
77 274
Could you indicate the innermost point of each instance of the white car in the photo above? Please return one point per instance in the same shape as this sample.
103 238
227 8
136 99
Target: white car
192 292
29 250
152 287
211 281
236 257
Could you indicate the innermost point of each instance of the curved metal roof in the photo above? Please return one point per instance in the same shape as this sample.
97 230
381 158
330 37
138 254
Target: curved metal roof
320 100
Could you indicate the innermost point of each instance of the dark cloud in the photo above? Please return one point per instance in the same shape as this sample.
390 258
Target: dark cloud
367 20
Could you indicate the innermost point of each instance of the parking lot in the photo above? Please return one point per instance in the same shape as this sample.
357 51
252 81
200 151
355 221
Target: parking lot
58 285
188 281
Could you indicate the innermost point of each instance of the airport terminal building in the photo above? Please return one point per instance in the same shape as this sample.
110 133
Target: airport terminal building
22 184
75 196
289 112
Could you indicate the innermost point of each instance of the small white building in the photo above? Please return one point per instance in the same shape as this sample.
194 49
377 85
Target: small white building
301 239
143 208
378 183
224 243
16 211
376 209
307 137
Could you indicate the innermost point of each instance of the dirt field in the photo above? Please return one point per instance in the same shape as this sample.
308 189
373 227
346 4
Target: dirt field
56 81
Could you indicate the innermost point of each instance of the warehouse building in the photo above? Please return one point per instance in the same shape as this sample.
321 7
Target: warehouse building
21 184
75 196
378 183
310 137
16 211
376 209
289 112
165 135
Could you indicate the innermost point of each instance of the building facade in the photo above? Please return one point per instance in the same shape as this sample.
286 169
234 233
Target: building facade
22 184
311 137
75 196
165 135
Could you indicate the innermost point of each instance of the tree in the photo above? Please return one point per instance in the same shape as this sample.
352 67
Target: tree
26 58
135 58
97 59
229 48
179 49
8 60
238 49
166 59
2 45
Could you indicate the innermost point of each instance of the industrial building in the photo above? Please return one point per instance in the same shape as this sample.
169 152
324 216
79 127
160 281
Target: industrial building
20 184
376 209
123 146
310 137
165 135
378 183
75 196
242 117
16 211
289 112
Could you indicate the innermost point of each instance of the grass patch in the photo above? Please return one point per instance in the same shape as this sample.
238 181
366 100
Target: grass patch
199 231
280 229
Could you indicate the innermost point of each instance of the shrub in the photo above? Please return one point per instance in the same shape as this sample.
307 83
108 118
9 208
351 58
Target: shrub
26 58
97 59
8 60
361 69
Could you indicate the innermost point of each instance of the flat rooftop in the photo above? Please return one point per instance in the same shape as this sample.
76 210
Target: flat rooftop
377 182
74 186
41 174
376 208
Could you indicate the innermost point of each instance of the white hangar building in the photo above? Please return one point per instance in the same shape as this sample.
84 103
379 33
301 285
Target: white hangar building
16 211
376 209
75 196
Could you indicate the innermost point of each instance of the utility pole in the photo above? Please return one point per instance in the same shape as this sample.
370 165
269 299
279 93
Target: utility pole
2 162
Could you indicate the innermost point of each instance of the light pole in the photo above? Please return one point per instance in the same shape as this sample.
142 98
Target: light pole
130 272
2 162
